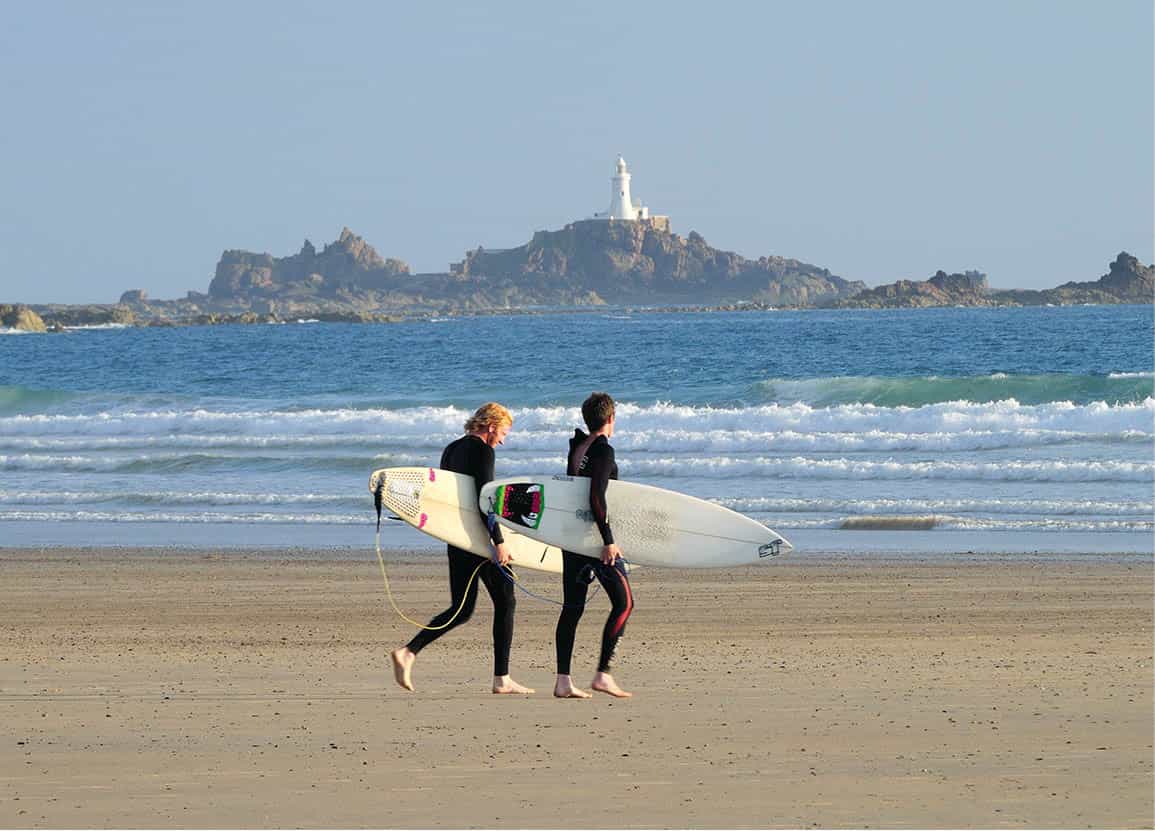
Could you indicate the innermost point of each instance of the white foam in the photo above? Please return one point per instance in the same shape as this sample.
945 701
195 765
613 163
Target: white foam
952 523
254 518
1001 420
1011 506
799 467
675 440
280 498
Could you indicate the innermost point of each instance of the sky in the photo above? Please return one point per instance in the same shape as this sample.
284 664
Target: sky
882 140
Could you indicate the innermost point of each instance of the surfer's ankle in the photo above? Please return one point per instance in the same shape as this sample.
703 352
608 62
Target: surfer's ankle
564 688
605 683
504 685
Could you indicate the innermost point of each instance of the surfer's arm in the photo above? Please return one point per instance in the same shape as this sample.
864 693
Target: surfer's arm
600 467
482 476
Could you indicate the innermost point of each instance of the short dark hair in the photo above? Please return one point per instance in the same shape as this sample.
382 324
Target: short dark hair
597 410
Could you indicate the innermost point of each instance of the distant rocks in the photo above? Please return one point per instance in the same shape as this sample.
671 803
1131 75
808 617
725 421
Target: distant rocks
348 264
967 289
1127 281
643 262
22 318
634 264
59 315
587 263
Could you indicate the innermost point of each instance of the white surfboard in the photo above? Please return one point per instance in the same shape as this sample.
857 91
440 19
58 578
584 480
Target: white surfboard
652 526
443 505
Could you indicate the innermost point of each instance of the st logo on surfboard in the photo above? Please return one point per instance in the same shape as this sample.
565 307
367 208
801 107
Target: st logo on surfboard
521 504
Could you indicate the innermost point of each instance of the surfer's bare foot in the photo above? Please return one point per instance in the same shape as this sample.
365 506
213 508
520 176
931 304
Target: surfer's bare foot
504 685
604 682
403 666
564 688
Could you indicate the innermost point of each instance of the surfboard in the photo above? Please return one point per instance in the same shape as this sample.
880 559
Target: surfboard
443 505
652 526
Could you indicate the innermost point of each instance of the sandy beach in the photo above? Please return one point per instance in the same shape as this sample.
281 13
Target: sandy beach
202 689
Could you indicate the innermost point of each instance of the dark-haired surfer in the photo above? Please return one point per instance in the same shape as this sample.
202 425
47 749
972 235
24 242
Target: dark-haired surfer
591 455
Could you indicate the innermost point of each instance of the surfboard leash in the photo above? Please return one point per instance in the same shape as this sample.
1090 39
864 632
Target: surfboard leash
513 578
393 603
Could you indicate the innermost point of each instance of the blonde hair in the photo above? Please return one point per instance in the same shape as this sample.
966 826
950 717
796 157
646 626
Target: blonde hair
491 415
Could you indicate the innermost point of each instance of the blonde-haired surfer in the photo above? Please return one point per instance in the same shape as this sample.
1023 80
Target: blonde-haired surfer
473 455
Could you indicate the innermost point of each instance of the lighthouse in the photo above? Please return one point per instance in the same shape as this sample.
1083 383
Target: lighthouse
621 205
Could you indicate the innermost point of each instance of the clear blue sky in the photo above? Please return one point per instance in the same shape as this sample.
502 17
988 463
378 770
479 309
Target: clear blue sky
882 140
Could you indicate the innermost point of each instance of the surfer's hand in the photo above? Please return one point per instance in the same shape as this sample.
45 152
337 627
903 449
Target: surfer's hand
501 554
611 554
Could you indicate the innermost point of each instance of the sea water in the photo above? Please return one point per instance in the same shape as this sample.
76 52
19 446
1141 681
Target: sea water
951 430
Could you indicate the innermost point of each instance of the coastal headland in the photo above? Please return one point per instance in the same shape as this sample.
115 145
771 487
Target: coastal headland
586 265
243 689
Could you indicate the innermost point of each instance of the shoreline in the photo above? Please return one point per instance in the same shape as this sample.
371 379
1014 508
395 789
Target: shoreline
383 316
251 688
866 546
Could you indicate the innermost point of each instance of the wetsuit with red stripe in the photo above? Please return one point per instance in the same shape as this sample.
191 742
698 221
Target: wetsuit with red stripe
598 464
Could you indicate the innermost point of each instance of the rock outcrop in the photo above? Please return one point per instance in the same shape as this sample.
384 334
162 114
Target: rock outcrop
1126 281
22 318
967 289
58 315
642 262
350 263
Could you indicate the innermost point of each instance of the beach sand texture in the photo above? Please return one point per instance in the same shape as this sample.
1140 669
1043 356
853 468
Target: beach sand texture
239 689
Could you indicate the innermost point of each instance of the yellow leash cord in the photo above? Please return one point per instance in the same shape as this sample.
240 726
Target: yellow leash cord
389 593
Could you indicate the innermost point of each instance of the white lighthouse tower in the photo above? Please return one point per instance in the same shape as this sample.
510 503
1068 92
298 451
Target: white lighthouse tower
621 205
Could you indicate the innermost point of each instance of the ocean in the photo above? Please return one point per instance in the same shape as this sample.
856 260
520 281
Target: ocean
958 431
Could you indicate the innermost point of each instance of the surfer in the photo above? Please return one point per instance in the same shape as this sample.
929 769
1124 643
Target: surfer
473 455
592 455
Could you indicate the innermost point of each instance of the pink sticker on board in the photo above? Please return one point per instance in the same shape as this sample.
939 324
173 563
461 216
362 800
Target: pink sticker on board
421 523
432 475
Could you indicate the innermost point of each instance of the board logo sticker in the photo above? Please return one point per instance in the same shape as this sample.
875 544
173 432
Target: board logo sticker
770 549
521 503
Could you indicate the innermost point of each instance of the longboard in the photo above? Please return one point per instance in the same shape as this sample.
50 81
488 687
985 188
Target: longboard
443 505
652 526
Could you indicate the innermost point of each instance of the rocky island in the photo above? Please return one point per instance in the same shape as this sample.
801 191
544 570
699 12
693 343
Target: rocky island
1127 281
623 256
586 264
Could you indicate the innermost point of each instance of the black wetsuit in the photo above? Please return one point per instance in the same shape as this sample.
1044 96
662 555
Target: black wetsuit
472 456
598 464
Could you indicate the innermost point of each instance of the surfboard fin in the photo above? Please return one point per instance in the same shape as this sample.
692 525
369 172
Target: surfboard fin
377 499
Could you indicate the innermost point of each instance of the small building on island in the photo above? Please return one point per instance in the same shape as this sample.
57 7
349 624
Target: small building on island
623 208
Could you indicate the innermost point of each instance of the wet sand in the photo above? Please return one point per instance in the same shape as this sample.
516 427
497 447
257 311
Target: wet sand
234 689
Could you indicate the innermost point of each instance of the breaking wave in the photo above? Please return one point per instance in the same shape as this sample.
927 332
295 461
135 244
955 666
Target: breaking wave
935 389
